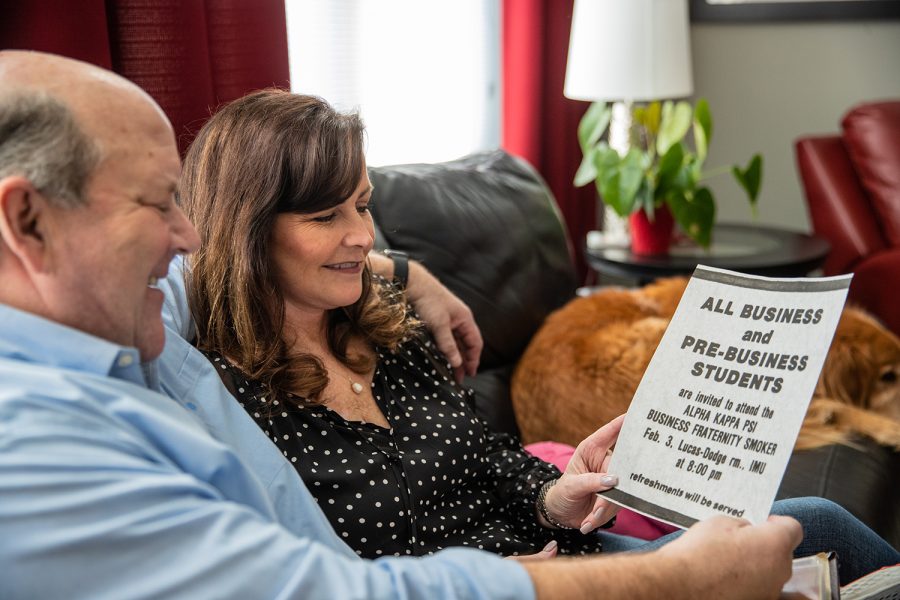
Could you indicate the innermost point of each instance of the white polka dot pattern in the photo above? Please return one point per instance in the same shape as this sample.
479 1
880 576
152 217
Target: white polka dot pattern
437 478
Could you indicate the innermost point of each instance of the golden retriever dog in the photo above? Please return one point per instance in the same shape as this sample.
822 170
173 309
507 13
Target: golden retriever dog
584 364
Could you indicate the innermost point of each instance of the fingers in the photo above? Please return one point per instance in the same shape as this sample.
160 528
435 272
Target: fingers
460 353
586 484
549 551
469 340
731 558
604 465
573 500
602 513
449 319
787 527
607 435
446 343
783 535
592 453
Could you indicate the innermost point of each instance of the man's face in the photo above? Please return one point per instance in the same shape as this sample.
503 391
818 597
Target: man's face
107 255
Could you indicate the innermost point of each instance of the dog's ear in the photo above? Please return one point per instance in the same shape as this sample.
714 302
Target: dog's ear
847 375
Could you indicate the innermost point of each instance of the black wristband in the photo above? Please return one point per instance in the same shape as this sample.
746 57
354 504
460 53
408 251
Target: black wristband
401 266
542 508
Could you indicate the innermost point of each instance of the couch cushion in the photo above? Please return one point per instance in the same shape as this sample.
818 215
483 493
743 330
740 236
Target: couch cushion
488 227
862 479
492 399
872 137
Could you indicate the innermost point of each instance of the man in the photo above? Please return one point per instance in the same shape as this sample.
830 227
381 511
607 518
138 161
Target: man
111 489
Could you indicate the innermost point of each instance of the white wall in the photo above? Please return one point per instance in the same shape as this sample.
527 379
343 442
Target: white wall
768 84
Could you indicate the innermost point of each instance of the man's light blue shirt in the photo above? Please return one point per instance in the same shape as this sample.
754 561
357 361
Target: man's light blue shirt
109 489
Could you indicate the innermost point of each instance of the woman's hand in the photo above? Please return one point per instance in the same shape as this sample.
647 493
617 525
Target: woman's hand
449 319
573 501
549 551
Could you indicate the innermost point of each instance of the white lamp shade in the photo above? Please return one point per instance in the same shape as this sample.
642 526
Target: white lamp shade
629 50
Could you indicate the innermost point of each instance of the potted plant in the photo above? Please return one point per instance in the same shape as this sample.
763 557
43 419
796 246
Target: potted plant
660 179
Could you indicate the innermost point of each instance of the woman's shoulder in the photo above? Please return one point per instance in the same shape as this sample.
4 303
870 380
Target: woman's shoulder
418 353
389 291
238 384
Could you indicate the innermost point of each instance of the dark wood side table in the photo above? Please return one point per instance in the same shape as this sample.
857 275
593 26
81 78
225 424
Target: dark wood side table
753 249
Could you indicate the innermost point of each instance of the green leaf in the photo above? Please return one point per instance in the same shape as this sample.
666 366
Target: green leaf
605 159
652 119
662 167
608 188
676 120
608 165
688 175
750 178
644 199
669 166
587 170
695 214
593 124
631 175
702 128
639 115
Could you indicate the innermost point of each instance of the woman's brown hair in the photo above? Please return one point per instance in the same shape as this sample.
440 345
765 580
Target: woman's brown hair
268 153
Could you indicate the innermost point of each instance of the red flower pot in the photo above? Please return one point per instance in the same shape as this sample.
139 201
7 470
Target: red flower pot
651 237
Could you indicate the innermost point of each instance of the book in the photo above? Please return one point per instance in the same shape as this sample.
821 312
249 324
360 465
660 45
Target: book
883 584
813 578
714 419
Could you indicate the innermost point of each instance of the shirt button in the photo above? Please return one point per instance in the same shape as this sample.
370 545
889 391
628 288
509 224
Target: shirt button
125 360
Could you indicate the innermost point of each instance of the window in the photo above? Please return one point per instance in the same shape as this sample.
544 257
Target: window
423 75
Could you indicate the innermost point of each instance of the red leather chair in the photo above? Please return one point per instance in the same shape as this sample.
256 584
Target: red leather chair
852 184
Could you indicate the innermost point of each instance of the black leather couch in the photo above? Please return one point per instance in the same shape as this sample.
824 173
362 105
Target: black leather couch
488 227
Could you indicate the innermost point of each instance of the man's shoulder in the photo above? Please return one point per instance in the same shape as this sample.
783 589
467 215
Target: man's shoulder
40 394
25 380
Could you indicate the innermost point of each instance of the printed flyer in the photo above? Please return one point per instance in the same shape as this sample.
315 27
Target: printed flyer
714 420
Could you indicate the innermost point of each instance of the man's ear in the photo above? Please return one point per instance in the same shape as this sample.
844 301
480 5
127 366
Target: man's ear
23 221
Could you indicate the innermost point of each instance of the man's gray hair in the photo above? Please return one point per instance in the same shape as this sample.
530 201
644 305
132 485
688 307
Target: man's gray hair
41 141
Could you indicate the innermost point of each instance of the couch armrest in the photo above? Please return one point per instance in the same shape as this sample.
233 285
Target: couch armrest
838 206
872 280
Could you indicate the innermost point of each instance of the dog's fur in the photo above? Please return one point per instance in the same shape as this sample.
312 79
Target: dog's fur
584 364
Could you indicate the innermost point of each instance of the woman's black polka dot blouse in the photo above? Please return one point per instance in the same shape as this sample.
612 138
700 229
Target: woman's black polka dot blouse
437 478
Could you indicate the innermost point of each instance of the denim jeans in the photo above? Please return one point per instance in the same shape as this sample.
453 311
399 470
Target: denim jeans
826 527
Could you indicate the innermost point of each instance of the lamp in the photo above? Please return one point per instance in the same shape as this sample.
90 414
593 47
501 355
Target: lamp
625 51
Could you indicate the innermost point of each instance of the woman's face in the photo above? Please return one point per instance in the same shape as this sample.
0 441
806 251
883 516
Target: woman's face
318 258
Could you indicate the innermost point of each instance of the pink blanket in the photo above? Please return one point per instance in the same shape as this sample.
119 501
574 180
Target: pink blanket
627 522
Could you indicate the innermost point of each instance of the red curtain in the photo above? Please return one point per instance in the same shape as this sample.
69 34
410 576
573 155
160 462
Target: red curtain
539 123
190 55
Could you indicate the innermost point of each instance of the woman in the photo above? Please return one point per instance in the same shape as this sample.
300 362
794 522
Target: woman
331 363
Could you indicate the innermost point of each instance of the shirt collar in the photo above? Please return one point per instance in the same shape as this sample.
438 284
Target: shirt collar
29 338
